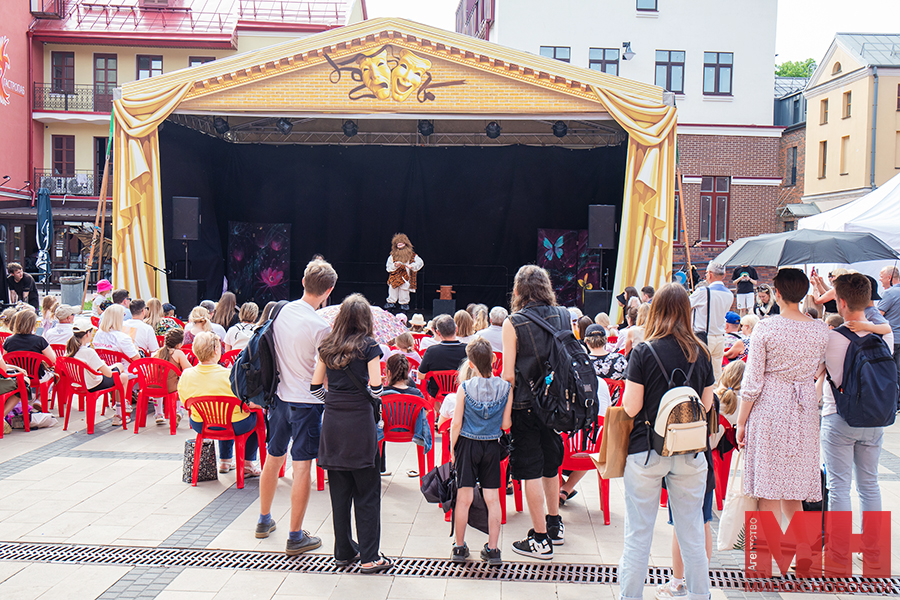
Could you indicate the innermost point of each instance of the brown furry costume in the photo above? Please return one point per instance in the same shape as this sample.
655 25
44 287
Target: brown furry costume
403 255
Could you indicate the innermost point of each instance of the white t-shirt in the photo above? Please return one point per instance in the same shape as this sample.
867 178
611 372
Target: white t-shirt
89 356
721 299
298 333
238 335
144 336
493 334
427 342
115 340
96 301
61 334
218 330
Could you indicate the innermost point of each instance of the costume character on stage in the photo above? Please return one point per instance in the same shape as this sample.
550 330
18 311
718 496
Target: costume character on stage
402 265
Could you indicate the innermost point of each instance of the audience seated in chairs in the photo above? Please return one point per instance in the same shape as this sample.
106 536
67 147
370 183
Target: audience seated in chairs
62 331
158 319
238 335
143 334
112 335
171 352
209 378
79 347
445 356
24 339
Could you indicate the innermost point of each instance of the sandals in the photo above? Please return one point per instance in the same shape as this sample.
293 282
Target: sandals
564 495
382 565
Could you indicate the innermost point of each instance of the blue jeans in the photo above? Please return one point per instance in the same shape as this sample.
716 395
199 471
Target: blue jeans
226 447
845 450
686 482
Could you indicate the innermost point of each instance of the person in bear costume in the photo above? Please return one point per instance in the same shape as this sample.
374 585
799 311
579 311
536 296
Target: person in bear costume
402 265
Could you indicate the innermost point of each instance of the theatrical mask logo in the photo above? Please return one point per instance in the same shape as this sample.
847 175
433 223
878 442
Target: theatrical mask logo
4 65
388 73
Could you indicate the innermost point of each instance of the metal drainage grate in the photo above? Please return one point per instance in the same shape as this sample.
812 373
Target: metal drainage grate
728 579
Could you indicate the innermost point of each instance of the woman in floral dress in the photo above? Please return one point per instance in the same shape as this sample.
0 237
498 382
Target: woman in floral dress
778 424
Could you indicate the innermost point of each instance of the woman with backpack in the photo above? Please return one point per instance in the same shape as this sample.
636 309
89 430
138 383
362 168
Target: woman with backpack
670 356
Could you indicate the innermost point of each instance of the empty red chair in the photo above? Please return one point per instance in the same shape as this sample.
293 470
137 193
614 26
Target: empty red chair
72 382
576 459
31 363
152 377
228 358
22 390
447 382
216 413
400 412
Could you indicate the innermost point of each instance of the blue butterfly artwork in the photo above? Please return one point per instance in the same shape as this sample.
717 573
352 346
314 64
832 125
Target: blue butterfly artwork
552 249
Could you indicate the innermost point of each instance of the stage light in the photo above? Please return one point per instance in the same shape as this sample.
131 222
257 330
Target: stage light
350 128
426 128
560 129
284 125
221 125
493 130
628 55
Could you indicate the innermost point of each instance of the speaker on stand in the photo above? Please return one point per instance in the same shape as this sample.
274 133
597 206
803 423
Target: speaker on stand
186 224
602 235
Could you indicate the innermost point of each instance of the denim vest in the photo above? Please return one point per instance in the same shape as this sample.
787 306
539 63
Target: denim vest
483 413
533 348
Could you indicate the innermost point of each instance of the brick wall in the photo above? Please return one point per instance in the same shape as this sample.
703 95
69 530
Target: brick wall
792 137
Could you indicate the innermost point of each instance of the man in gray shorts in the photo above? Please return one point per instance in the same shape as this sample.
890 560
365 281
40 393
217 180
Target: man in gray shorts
295 417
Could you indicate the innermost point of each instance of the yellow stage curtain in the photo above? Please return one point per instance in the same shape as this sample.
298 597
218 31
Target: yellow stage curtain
645 239
137 203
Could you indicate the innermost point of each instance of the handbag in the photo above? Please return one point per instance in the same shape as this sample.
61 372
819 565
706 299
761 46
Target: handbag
207 470
617 426
731 523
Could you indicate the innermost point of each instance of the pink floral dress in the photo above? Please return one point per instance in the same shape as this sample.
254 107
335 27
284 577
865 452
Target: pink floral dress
781 457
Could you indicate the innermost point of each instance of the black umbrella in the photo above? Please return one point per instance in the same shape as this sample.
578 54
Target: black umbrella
806 246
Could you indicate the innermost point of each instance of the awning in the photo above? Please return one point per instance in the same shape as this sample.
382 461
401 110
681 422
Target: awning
798 211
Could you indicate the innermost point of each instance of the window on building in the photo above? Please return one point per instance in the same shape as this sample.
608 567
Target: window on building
714 199
845 149
62 71
790 225
823 151
717 67
823 112
794 165
846 107
836 68
63 155
670 70
193 61
149 66
646 5
604 59
563 53
796 108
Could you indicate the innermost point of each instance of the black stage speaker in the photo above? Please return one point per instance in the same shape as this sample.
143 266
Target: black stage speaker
185 218
443 307
185 294
602 226
596 301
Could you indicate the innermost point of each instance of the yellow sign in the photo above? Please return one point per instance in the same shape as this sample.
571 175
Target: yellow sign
388 73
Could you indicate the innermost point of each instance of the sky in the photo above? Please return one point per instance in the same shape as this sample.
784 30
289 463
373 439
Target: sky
805 27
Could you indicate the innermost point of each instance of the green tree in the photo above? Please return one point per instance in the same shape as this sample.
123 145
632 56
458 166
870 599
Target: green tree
800 68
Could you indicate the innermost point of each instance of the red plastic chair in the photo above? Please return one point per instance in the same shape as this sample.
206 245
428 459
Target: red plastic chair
400 412
447 382
161 340
179 321
152 379
190 355
616 390
95 321
112 357
497 366
22 391
72 383
576 459
413 362
59 349
216 413
31 362
228 358
417 340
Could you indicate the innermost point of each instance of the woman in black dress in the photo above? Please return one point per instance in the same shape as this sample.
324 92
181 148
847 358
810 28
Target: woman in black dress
350 359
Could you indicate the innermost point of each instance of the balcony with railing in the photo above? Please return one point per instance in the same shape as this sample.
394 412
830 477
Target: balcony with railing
72 98
80 182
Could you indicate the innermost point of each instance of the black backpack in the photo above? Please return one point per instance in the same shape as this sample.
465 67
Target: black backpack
565 398
254 375
868 393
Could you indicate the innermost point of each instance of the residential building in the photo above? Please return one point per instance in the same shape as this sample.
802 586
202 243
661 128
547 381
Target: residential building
853 134
722 81
82 50
790 112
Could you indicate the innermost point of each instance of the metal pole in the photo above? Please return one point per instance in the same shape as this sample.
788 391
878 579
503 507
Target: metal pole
101 205
687 248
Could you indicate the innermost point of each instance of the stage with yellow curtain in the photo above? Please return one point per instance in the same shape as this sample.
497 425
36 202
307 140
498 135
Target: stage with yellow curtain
446 75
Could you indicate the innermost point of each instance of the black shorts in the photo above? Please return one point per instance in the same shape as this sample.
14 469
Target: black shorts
535 450
477 461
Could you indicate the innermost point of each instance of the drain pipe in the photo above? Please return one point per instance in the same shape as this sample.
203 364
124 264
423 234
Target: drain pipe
874 123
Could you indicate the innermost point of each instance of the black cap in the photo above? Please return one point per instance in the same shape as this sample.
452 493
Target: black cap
592 329
874 283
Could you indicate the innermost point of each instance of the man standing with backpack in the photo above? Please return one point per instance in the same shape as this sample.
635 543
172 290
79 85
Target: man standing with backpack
857 405
295 415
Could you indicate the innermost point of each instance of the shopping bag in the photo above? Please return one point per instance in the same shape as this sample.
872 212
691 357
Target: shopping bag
617 426
207 470
731 522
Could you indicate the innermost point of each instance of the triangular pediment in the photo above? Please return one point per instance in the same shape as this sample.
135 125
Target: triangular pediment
838 61
392 66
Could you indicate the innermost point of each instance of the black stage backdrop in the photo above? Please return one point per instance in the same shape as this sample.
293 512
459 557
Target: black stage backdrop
472 213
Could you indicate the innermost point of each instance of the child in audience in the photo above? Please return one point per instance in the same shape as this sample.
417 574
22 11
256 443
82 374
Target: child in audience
171 353
834 321
483 411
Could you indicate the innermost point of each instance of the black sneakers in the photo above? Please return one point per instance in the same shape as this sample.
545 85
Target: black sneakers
460 553
556 531
491 556
536 545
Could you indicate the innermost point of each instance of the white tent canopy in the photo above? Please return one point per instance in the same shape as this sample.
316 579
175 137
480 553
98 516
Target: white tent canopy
878 212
